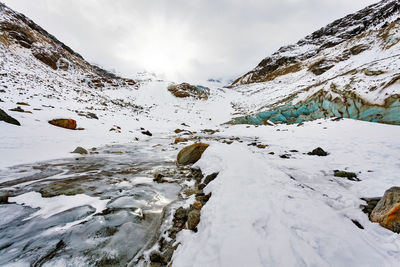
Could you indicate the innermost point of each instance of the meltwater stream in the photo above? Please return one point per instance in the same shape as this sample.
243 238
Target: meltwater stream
97 210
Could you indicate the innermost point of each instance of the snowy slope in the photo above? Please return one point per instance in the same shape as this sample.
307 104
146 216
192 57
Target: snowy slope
265 210
354 58
269 211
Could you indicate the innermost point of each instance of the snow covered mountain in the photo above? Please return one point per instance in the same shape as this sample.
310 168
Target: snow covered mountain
258 196
350 68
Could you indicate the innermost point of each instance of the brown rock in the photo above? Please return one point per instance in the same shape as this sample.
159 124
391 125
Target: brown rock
193 219
187 90
64 123
191 154
180 140
387 211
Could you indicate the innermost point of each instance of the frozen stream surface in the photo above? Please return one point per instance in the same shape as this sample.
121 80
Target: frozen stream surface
97 210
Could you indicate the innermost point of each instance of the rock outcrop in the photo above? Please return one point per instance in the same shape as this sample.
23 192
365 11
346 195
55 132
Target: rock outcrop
387 211
186 90
7 118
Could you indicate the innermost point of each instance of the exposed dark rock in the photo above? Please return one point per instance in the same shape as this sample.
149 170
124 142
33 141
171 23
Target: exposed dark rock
158 178
22 103
318 152
387 211
357 49
147 133
210 177
3 198
193 219
358 224
191 154
19 109
321 66
7 118
371 204
201 186
349 175
180 214
285 156
47 56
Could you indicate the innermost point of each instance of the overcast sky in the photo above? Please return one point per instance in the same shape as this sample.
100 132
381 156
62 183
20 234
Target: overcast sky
182 39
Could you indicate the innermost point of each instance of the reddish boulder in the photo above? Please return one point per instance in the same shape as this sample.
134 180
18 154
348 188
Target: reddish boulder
64 123
387 211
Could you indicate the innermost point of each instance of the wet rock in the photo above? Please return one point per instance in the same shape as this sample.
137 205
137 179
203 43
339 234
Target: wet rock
349 175
3 198
157 258
7 118
201 186
371 204
210 177
191 191
180 214
318 152
197 205
193 219
186 90
80 150
64 123
147 133
191 154
387 211
61 188
158 178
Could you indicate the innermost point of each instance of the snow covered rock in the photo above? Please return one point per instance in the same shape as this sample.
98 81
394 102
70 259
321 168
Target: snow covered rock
80 150
191 154
387 211
186 90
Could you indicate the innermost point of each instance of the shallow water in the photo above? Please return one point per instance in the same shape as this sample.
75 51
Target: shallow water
97 210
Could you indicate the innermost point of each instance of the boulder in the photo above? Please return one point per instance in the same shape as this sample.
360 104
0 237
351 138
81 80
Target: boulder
387 211
64 123
193 219
191 154
7 118
47 56
80 150
349 175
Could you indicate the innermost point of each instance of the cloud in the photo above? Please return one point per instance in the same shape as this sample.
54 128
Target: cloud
185 40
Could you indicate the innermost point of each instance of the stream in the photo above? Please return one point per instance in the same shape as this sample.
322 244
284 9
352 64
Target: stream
102 209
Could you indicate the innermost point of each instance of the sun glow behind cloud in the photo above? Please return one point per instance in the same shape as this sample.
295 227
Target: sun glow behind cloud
183 40
162 46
